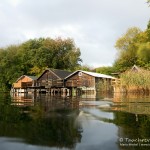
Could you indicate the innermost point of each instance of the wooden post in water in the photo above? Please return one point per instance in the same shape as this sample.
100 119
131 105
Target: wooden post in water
79 91
68 92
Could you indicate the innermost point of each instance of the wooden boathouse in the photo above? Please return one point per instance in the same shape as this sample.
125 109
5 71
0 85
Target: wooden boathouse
52 80
23 84
60 81
88 81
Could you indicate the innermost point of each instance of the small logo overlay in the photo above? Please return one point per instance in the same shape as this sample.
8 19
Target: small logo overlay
137 142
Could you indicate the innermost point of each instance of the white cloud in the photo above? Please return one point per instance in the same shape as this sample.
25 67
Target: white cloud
15 2
95 25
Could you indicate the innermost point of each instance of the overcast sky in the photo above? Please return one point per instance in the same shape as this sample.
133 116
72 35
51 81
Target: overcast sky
95 25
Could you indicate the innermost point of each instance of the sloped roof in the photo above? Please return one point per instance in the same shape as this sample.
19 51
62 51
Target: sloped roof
135 68
94 74
59 73
31 77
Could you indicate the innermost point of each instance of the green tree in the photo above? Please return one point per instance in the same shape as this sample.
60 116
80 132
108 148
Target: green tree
132 48
148 25
106 70
33 56
125 41
58 53
127 49
144 52
85 68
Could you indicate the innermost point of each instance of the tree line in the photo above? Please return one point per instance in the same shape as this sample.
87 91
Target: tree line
33 56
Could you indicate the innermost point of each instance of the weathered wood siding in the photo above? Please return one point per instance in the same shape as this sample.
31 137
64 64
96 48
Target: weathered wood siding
49 79
80 80
23 82
25 79
48 75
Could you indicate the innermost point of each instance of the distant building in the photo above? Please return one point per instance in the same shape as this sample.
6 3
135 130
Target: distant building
136 68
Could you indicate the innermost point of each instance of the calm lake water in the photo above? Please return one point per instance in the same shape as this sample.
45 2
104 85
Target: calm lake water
104 122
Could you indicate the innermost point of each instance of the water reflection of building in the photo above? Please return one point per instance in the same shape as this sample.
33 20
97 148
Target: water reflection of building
22 99
46 101
58 102
49 122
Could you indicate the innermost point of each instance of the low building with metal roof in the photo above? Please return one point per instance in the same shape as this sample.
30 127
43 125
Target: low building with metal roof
89 81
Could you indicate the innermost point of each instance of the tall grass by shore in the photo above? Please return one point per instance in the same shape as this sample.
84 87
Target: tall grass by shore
136 81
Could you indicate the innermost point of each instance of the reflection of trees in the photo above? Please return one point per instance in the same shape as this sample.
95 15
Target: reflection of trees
131 128
127 122
4 99
35 127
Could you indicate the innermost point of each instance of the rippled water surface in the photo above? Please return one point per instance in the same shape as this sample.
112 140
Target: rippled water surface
104 122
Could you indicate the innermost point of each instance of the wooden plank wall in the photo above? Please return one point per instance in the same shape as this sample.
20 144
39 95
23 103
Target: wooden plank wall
83 80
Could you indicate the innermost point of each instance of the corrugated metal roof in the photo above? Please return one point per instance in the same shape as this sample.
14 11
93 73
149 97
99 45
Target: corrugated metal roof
94 74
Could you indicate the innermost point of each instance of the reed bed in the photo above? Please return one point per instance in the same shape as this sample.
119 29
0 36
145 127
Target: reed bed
136 81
